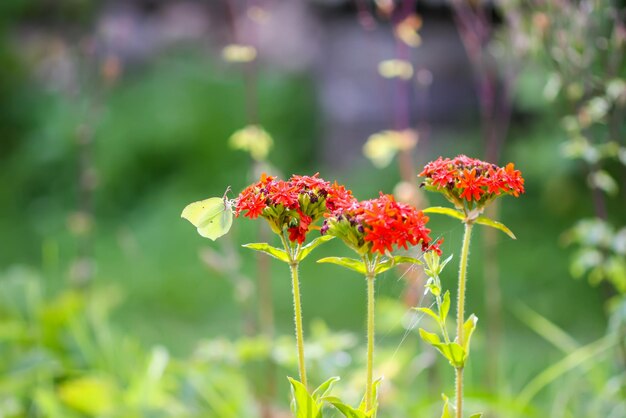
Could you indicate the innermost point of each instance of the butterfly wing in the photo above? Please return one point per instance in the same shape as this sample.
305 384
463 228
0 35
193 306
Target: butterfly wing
212 217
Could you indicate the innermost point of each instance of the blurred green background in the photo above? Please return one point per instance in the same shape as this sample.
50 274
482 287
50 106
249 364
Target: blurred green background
115 115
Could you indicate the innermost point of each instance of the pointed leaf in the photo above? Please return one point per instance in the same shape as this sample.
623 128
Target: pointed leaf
303 405
430 338
212 217
468 329
457 355
483 220
346 410
445 306
350 263
393 261
446 261
372 412
324 388
430 313
440 210
306 250
479 415
447 409
268 249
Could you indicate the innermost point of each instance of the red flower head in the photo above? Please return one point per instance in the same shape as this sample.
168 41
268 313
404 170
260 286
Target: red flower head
293 205
379 225
470 183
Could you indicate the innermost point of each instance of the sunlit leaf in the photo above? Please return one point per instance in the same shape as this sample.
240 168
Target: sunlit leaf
306 250
254 140
91 395
445 306
303 404
323 389
440 210
456 354
452 351
429 312
350 263
479 415
396 68
373 410
394 261
268 249
483 220
468 329
239 53
429 337
212 217
346 410
447 412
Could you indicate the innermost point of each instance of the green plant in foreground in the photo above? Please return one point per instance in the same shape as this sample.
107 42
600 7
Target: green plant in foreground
291 208
470 185
372 229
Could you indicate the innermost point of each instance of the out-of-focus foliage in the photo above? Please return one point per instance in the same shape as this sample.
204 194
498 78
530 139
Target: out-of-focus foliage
61 358
160 139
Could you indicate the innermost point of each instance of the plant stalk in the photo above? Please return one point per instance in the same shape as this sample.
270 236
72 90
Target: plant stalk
370 343
297 308
460 313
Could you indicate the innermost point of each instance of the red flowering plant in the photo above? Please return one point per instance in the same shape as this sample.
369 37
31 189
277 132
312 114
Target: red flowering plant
470 185
291 209
373 229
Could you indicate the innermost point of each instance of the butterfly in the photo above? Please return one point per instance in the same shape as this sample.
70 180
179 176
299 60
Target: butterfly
213 217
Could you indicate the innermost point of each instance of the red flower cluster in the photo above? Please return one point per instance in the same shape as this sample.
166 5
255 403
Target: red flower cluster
378 225
463 178
295 204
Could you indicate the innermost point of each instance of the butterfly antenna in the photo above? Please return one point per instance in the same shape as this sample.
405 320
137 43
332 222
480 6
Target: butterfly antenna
225 197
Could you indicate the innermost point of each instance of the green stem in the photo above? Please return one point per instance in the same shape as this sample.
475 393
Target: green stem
369 392
460 312
297 308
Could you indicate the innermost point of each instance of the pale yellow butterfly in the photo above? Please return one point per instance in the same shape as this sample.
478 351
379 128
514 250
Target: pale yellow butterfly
213 217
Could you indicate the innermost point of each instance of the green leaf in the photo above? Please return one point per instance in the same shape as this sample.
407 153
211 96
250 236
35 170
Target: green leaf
480 414
445 306
346 410
456 355
268 249
323 389
303 405
483 220
393 261
372 412
447 409
306 250
468 329
212 217
430 313
349 263
430 338
440 210
451 351
91 395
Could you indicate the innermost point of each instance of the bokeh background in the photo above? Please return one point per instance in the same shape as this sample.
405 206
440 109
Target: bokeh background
114 115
